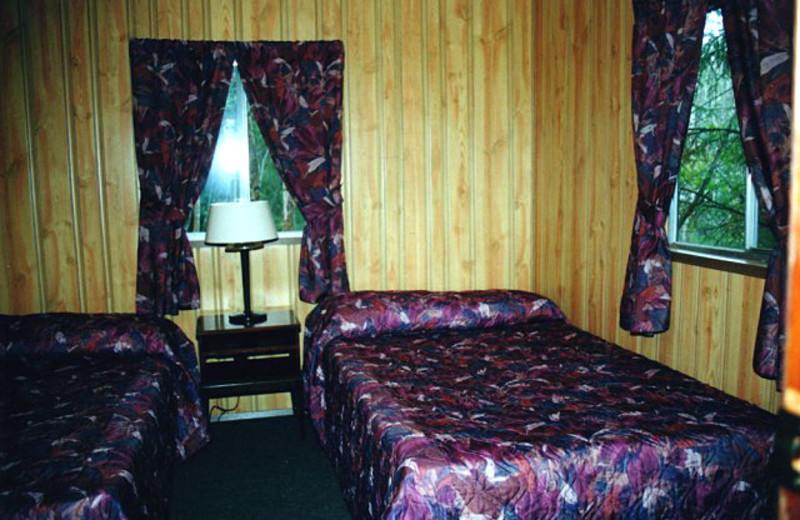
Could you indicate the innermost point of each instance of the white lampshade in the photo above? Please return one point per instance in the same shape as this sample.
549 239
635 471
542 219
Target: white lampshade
232 223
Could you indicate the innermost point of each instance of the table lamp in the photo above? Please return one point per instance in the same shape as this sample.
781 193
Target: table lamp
242 227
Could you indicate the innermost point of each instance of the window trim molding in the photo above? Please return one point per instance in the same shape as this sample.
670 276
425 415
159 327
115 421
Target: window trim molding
285 238
749 263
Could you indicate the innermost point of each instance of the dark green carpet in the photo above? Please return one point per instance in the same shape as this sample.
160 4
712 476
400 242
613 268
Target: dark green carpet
258 469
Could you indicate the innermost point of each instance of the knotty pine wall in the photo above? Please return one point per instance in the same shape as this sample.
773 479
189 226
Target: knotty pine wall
487 144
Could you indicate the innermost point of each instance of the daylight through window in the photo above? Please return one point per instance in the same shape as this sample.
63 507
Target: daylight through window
242 168
715 205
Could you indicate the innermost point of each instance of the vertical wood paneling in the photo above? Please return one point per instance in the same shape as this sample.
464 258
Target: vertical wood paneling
92 243
195 26
116 152
486 144
435 133
50 152
617 166
414 193
170 22
390 128
596 219
142 18
261 19
491 177
302 20
221 17
22 291
458 144
585 194
573 196
366 255
521 146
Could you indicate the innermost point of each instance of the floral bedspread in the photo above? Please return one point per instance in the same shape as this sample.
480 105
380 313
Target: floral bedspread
96 410
491 405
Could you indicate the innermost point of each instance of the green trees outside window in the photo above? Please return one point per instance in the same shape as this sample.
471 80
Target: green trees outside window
716 205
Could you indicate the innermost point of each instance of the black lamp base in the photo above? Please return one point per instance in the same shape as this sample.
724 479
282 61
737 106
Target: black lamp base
247 318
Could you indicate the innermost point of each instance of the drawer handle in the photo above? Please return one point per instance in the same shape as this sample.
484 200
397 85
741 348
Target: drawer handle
220 360
268 356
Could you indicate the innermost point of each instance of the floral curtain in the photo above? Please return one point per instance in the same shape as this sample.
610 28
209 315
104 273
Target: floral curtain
667 40
295 91
759 37
179 93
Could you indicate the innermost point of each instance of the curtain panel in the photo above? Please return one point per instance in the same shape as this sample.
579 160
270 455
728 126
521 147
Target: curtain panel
295 91
179 94
759 36
667 40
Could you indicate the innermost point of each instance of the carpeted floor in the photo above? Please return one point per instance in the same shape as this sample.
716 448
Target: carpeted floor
258 469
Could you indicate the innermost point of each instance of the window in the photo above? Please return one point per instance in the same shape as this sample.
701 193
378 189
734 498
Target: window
715 208
242 168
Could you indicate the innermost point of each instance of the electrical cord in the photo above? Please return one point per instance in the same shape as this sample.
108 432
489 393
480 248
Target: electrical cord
224 410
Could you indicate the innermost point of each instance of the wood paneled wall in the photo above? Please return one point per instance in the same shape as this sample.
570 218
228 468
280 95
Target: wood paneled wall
585 193
487 144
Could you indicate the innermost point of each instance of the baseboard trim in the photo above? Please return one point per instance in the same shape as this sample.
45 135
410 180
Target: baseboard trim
244 416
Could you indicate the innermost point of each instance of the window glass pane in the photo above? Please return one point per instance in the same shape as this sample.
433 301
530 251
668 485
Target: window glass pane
766 239
711 186
242 168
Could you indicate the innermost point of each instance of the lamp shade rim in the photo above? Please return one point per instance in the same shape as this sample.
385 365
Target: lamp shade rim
240 223
242 245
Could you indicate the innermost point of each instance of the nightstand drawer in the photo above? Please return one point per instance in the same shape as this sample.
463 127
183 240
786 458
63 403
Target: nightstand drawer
277 341
248 367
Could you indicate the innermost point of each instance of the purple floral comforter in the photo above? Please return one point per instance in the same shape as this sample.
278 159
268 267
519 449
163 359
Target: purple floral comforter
490 404
94 412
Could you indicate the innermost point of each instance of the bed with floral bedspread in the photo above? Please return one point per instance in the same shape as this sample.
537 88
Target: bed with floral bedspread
489 404
95 411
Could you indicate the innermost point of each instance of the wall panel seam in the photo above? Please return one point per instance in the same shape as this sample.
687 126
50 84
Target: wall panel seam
347 147
380 96
445 140
285 29
238 20
97 128
69 122
428 144
512 237
400 146
24 42
153 6
532 197
473 245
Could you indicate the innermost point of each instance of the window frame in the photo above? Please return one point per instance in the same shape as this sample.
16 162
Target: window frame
751 261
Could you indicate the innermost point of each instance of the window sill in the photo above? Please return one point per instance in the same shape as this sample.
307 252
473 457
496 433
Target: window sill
285 238
749 263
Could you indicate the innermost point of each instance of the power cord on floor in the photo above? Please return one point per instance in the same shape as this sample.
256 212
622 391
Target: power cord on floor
224 410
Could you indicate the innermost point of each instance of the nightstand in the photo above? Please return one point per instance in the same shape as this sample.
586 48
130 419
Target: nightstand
246 360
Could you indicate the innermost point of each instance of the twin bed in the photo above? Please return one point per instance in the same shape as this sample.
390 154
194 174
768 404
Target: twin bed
95 410
473 405
491 405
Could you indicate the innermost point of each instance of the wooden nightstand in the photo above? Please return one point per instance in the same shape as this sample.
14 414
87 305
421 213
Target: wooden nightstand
259 359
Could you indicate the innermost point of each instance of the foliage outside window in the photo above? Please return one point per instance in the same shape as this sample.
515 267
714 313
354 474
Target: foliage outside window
715 205
242 168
